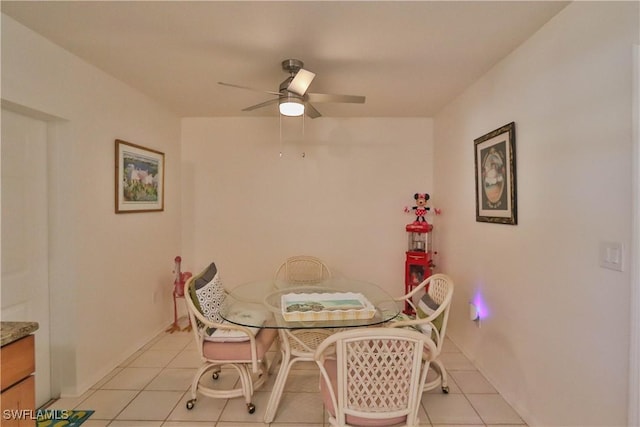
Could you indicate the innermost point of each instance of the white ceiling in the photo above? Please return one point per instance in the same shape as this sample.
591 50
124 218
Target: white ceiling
408 58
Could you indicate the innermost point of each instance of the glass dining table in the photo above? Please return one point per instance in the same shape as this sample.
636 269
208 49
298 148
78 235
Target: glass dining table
304 315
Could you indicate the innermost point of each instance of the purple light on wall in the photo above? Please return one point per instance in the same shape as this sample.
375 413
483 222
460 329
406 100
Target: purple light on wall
478 301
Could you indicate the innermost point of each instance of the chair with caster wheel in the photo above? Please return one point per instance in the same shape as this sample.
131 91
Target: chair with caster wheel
223 344
374 376
431 301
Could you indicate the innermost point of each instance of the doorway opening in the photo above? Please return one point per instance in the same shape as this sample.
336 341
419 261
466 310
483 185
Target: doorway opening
29 233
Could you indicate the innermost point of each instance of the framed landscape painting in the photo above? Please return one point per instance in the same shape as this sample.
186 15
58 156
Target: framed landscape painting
139 178
495 161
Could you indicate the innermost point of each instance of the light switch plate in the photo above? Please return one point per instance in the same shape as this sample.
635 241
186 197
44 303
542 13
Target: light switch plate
611 255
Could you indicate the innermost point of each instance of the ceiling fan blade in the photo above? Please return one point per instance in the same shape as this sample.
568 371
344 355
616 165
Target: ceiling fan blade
249 88
325 97
311 111
262 104
301 82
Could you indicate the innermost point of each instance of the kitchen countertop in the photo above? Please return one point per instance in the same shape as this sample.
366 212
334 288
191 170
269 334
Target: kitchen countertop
13 331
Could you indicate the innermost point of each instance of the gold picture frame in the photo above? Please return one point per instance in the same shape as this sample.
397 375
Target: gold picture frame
495 164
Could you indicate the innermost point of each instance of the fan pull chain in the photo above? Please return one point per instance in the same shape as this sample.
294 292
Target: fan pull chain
280 120
303 153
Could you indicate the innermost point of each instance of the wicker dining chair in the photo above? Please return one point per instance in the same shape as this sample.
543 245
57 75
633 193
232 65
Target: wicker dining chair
220 343
431 301
373 376
303 270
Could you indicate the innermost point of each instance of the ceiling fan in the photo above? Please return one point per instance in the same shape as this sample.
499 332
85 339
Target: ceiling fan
292 96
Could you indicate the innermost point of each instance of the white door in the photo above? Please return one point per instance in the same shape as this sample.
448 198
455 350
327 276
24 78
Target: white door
24 292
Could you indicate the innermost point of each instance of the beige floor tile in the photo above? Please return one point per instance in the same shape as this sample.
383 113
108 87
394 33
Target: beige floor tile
187 358
236 409
153 341
192 424
106 378
154 359
166 365
451 383
450 409
131 358
456 362
96 423
177 379
175 341
131 379
303 376
460 425
151 405
493 409
107 403
423 419
271 425
303 380
132 423
300 406
205 409
268 385
227 379
449 346
472 382
305 365
192 345
71 402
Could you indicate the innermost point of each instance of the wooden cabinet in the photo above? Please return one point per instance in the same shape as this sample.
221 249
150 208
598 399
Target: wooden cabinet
17 401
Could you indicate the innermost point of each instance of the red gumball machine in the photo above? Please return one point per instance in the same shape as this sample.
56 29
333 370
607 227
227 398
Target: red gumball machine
419 263
419 257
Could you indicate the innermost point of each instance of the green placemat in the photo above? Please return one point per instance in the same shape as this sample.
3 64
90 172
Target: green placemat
62 417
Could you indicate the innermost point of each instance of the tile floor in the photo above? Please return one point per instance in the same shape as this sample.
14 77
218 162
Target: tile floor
150 389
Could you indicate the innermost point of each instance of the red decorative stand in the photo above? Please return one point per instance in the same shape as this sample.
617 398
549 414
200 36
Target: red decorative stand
178 292
419 261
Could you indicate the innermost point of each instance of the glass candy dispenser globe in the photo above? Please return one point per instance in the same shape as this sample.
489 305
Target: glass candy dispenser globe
419 241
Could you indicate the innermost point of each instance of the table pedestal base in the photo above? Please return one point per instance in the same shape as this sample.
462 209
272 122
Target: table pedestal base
297 345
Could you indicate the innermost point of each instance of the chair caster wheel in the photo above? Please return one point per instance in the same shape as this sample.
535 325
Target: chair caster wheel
190 404
215 375
445 389
251 408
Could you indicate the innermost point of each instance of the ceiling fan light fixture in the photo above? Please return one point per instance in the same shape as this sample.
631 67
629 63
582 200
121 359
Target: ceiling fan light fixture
292 97
291 106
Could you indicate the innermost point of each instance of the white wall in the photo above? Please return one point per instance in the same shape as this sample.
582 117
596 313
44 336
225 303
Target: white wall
634 374
105 267
247 208
555 341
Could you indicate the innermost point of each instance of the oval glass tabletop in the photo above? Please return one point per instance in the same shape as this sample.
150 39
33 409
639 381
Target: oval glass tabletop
334 303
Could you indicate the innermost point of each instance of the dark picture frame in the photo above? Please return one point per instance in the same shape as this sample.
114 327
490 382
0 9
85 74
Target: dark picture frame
495 165
139 173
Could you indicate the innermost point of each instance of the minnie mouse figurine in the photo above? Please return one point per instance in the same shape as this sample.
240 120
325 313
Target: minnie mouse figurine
421 207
